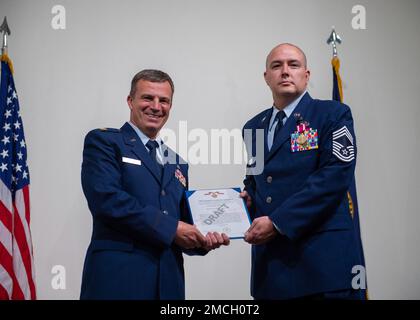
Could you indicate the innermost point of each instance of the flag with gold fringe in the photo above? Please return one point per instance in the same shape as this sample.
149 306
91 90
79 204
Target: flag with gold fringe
351 193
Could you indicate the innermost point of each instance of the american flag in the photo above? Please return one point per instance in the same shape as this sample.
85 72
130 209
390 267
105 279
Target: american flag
17 272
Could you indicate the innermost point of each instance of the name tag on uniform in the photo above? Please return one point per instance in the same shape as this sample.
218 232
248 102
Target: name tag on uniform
137 162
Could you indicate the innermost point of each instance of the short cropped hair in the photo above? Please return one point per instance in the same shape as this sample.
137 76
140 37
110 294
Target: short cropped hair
152 76
305 61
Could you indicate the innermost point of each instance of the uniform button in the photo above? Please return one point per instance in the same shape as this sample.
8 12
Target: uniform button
165 212
269 179
163 193
268 200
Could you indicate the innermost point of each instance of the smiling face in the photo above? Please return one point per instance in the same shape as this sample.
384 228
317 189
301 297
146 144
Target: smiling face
286 73
150 105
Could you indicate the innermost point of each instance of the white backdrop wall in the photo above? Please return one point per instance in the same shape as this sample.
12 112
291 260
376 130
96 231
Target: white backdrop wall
70 81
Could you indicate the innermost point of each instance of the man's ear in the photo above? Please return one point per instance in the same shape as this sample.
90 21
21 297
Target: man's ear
129 101
265 77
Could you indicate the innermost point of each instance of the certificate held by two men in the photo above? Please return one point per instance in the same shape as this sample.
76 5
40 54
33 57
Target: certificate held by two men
219 210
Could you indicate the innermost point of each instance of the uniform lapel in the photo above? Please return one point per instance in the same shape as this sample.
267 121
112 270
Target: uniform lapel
264 123
252 148
290 125
169 168
132 139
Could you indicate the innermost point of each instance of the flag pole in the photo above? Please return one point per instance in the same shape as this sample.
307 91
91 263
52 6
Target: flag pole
333 40
6 32
337 95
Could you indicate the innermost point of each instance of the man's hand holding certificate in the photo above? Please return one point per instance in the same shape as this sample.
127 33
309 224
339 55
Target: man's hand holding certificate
219 210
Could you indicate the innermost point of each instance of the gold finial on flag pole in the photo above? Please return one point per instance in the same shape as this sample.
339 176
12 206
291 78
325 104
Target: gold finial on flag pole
333 40
6 32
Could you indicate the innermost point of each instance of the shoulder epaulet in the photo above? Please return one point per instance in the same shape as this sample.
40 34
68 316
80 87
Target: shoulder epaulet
109 130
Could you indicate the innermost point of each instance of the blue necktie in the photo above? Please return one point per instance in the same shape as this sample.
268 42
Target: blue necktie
279 117
152 145
278 122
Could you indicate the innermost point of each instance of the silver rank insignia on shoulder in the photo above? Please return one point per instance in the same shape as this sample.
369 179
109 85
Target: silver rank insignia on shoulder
343 145
109 130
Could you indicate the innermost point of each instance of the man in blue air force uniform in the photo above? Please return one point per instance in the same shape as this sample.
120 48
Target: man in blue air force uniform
135 187
302 231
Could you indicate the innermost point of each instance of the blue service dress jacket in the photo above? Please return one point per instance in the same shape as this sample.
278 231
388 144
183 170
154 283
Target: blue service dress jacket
303 189
135 215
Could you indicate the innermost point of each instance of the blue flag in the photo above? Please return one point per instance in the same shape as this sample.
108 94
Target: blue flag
351 193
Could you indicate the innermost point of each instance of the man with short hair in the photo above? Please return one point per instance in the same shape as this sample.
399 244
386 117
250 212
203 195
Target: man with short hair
302 234
137 201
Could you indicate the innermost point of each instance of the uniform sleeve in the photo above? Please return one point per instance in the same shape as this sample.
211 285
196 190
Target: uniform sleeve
324 190
186 217
108 202
249 187
249 181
